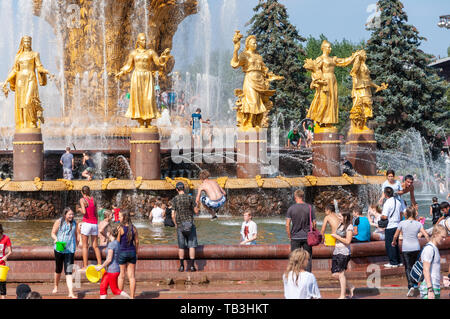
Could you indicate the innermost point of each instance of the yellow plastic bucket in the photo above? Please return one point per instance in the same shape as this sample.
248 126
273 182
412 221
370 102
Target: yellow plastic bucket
330 240
93 275
3 272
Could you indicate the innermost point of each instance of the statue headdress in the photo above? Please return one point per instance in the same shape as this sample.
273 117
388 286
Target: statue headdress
136 44
21 48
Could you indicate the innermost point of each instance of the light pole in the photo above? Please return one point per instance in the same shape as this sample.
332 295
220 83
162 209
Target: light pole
444 22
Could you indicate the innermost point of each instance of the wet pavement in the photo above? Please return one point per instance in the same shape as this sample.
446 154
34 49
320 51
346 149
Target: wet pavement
391 288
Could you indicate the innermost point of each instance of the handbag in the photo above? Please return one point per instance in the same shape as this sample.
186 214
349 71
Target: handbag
314 236
382 223
416 272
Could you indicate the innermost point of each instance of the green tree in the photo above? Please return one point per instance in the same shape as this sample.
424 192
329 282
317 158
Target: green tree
415 97
279 45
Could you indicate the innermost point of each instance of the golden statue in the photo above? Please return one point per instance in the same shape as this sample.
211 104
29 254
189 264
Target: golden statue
362 93
253 102
145 62
324 107
22 80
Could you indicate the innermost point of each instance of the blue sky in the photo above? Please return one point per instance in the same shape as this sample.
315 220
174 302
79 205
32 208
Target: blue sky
336 19
346 19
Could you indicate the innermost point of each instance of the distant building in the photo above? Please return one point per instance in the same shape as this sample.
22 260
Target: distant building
444 66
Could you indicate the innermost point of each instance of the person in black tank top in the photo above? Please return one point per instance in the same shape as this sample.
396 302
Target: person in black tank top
168 216
435 210
129 245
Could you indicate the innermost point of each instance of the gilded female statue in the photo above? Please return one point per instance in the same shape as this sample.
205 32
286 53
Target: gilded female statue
362 92
324 107
253 103
22 80
142 105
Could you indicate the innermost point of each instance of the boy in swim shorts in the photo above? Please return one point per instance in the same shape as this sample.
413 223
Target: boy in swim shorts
215 196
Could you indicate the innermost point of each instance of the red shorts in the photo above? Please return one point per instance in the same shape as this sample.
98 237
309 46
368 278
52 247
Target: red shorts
109 279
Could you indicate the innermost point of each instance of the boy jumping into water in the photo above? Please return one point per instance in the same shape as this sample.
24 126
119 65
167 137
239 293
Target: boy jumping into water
215 196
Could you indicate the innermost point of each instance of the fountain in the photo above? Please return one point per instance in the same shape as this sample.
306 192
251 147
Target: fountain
85 108
82 107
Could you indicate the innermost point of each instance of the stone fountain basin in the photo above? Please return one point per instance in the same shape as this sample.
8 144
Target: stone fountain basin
216 262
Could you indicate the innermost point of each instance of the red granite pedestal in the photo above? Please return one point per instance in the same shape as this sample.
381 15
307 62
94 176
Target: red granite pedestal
145 159
28 154
361 147
251 147
326 152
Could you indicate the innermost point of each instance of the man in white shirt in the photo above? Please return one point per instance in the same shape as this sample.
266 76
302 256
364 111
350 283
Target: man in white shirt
248 230
391 212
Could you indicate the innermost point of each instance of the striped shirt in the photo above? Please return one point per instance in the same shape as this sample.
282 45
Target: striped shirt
67 235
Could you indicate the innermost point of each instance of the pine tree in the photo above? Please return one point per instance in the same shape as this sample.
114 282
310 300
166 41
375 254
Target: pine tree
279 45
415 97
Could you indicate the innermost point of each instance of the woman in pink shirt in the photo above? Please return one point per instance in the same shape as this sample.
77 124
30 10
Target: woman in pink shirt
89 226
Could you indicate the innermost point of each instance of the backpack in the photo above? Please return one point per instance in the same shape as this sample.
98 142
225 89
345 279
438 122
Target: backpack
416 273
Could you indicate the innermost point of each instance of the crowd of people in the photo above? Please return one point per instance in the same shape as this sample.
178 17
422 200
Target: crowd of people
114 230
391 217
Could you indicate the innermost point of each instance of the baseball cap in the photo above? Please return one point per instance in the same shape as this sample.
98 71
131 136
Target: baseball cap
22 291
179 186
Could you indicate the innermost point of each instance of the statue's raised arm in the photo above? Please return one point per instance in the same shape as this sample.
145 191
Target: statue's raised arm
235 63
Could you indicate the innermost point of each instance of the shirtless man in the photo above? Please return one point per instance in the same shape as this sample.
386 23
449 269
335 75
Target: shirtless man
408 187
331 218
215 195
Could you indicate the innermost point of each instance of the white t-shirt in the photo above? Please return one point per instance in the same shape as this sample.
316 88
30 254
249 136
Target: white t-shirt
410 229
391 209
252 230
435 267
397 186
157 217
306 287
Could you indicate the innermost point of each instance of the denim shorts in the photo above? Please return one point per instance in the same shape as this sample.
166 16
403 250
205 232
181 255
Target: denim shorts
128 256
67 173
196 131
189 241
